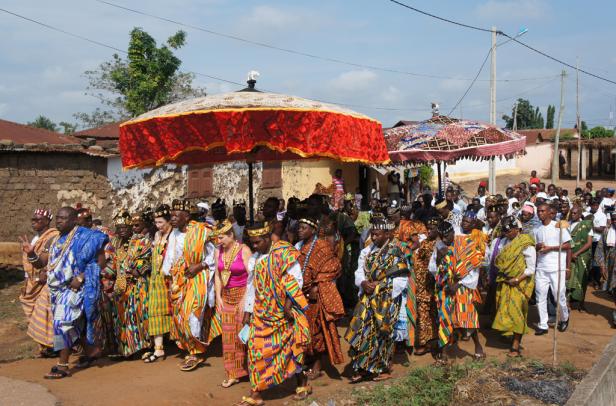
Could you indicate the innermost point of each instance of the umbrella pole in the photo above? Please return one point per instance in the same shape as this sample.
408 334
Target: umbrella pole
440 185
251 201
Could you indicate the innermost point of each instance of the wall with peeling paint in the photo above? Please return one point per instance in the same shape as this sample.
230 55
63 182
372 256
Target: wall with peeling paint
299 178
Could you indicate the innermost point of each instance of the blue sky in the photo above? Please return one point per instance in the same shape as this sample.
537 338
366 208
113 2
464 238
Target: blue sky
42 70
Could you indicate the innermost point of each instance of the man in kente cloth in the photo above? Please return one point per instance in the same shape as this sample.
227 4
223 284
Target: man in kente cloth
456 281
410 231
115 252
581 249
34 296
275 309
192 292
381 277
73 277
515 282
426 324
131 289
320 269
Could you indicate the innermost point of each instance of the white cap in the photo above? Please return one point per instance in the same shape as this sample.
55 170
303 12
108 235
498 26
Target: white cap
543 195
204 206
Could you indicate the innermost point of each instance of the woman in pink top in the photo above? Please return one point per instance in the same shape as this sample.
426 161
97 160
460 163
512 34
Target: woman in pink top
230 284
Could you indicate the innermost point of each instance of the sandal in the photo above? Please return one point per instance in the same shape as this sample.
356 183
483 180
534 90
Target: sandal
191 364
479 356
302 393
153 358
227 383
248 401
57 373
357 378
422 351
382 377
312 374
513 353
146 355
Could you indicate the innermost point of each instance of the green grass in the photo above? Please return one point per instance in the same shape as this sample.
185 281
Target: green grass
425 386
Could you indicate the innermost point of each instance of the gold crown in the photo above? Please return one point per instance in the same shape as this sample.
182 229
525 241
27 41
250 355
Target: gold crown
258 232
223 227
309 222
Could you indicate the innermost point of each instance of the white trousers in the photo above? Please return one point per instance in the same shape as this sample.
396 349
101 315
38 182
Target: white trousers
543 282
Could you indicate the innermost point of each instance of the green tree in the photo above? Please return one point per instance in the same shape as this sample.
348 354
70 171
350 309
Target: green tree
528 116
44 122
147 78
597 132
549 118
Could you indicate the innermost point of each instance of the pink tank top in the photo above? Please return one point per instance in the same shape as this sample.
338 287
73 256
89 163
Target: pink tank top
239 274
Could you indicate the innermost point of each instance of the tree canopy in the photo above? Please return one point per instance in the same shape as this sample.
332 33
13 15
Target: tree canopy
48 124
528 116
147 78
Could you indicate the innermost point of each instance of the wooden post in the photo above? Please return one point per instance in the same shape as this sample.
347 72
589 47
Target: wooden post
589 172
570 167
555 164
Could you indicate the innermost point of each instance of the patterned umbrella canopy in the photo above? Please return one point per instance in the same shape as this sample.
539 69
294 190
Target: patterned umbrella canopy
253 126
445 139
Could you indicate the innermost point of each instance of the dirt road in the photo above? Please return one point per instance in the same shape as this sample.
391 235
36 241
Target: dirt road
135 383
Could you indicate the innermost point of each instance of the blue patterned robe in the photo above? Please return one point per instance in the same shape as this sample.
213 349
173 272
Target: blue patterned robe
71 309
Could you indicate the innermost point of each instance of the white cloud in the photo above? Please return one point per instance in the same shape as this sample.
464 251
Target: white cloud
513 9
355 80
391 94
268 16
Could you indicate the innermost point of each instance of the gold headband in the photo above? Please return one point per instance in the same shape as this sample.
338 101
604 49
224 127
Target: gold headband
259 232
309 222
223 227
441 205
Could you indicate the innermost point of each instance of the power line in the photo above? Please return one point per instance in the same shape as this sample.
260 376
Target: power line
470 86
63 31
293 51
507 36
440 18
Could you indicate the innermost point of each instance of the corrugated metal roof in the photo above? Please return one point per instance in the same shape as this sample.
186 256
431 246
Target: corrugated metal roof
108 131
24 134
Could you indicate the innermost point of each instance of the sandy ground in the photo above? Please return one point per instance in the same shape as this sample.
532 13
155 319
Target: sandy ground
135 383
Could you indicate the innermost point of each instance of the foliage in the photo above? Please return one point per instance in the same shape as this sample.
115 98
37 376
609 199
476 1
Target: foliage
44 122
527 115
549 118
48 124
425 174
584 125
425 386
597 132
147 78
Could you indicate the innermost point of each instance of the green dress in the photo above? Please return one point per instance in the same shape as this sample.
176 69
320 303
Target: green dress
578 281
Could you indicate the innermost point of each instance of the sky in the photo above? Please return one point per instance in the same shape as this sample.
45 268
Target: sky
41 70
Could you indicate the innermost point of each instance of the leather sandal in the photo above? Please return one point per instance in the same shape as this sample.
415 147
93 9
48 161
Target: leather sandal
57 373
302 393
248 401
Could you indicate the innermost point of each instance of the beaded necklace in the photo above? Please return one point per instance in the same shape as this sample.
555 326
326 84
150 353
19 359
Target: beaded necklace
314 241
64 247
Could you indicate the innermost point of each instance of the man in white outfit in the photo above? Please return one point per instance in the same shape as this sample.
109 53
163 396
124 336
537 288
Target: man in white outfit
547 237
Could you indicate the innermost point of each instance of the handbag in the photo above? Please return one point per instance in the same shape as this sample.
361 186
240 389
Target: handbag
244 334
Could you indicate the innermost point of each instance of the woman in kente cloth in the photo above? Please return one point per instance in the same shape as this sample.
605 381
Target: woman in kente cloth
320 269
230 281
131 289
158 302
456 281
381 275
515 282
581 244
426 324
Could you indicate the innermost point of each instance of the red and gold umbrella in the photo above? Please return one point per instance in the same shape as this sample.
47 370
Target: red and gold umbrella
252 126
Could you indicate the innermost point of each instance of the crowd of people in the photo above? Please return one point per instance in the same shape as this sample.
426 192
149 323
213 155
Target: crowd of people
409 275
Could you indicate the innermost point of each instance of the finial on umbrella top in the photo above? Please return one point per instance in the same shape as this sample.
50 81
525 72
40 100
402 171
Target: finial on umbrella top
252 78
435 111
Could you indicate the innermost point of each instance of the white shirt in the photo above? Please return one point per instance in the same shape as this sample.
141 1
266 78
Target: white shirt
399 283
175 248
482 200
249 299
599 220
606 201
481 215
510 209
462 205
549 235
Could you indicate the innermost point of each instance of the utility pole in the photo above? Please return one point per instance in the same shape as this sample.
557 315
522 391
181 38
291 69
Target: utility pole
515 116
579 124
492 168
555 158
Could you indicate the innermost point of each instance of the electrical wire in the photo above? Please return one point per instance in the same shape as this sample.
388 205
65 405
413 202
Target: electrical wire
293 51
512 38
470 86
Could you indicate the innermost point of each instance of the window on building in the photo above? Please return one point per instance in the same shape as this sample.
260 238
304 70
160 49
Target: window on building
272 175
200 182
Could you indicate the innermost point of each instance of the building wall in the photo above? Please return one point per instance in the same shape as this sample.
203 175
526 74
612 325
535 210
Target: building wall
135 189
299 178
31 180
538 157
467 169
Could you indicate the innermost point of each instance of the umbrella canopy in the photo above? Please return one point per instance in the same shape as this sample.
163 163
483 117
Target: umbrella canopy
445 139
253 126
